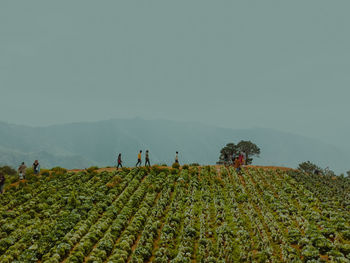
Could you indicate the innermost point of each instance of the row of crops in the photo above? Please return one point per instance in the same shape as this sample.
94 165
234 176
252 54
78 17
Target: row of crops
197 214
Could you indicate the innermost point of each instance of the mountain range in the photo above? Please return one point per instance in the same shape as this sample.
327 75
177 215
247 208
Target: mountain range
80 145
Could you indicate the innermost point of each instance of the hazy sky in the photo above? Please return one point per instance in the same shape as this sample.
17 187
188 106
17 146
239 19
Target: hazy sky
276 64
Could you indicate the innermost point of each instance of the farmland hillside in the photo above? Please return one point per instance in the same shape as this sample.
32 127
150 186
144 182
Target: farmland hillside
195 214
81 145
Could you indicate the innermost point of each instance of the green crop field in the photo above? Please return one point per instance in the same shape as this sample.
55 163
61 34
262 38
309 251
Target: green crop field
195 214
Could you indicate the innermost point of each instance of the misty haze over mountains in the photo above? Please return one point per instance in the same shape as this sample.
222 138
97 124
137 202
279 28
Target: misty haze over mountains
80 145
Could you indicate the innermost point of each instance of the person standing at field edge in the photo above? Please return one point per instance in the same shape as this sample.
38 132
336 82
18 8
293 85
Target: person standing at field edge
237 165
147 159
119 161
139 159
36 167
177 157
22 171
2 182
241 159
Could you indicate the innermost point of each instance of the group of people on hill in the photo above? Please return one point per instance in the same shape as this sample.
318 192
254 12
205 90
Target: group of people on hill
139 159
21 172
22 169
237 161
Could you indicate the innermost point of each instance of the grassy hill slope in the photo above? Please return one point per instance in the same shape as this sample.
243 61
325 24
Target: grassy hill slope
196 214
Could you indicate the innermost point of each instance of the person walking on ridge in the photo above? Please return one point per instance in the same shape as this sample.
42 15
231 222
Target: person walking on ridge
177 157
119 161
36 167
22 171
2 182
147 159
139 159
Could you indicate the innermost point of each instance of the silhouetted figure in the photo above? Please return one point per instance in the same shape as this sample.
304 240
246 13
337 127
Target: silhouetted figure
36 167
22 171
120 161
147 162
2 182
139 162
177 157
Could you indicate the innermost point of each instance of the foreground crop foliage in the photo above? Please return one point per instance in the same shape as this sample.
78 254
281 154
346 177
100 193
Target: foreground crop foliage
197 214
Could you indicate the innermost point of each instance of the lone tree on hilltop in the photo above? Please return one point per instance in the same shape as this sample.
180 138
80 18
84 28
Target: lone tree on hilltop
247 147
250 149
227 152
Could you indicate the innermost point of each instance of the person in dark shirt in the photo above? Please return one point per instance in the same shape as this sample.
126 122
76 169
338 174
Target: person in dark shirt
120 161
36 167
147 162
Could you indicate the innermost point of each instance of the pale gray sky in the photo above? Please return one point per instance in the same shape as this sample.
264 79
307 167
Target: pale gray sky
276 64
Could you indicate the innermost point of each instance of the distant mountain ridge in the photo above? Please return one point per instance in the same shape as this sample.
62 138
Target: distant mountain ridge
79 145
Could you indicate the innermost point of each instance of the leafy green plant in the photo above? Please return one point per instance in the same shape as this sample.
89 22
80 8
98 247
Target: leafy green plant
59 170
185 166
7 170
176 165
92 169
45 172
